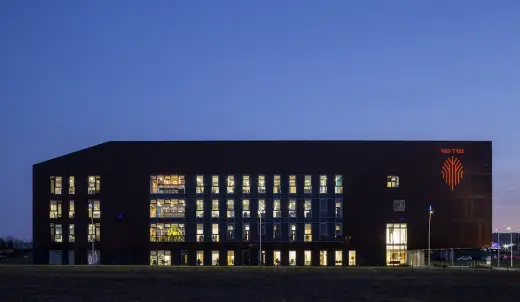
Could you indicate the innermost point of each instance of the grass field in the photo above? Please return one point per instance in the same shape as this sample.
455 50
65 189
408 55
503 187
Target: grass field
128 283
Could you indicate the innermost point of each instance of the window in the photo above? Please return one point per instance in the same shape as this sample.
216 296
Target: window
94 233
308 208
246 231
399 206
292 232
308 232
214 233
307 258
338 184
230 184
277 256
200 209
292 184
200 184
338 233
292 208
277 213
160 257
94 206
94 185
245 209
167 184
338 211
72 236
230 208
163 208
392 181
200 232
261 184
231 232
277 188
307 185
261 208
323 257
396 243
277 227
72 210
56 185
323 230
214 258
200 257
323 207
323 184
246 184
167 232
56 233
72 188
55 209
230 257
214 208
339 257
214 184
351 258
292 257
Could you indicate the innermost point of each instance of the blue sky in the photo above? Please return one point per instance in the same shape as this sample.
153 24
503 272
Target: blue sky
78 73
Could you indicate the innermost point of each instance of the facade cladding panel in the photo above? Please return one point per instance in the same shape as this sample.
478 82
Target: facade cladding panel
452 176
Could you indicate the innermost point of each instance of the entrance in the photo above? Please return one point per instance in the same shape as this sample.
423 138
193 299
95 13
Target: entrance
352 258
184 258
246 257
396 243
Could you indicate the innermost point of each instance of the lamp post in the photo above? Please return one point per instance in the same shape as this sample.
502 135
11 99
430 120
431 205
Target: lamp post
511 245
261 207
430 213
499 247
91 206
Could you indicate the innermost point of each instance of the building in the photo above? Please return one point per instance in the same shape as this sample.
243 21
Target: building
319 202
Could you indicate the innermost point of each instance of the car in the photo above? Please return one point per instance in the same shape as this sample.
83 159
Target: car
465 258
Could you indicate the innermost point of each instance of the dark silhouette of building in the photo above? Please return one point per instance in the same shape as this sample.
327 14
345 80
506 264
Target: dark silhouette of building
322 202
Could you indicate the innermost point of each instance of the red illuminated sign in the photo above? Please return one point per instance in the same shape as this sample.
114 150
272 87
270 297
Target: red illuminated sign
452 151
452 171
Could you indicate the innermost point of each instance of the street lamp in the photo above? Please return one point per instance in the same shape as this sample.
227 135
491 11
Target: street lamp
499 247
91 206
511 245
430 211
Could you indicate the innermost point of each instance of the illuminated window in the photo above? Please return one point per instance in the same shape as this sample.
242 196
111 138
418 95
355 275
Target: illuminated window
277 213
160 257
323 230
230 184
339 257
351 258
261 208
338 233
72 188
292 258
214 208
277 256
167 232
392 181
230 257
230 232
94 185
72 209
245 209
230 208
292 208
396 243
214 233
246 184
307 258
164 208
277 228
200 232
214 184
246 231
56 185
338 184
94 232
72 236
261 184
167 184
308 208
214 258
200 257
338 211
94 206
323 257
55 209
200 184
307 185
56 232
292 232
308 232
200 209
292 184
277 188
323 184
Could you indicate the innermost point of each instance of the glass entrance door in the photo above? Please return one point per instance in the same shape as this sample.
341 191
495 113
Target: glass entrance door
396 243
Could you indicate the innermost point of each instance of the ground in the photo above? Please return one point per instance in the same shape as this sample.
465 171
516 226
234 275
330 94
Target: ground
106 283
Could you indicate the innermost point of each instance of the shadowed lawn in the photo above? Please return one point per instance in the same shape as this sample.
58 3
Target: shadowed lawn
124 283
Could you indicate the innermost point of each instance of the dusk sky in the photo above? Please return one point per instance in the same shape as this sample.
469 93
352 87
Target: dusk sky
78 73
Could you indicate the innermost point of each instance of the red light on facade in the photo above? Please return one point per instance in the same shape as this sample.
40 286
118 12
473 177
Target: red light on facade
452 172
